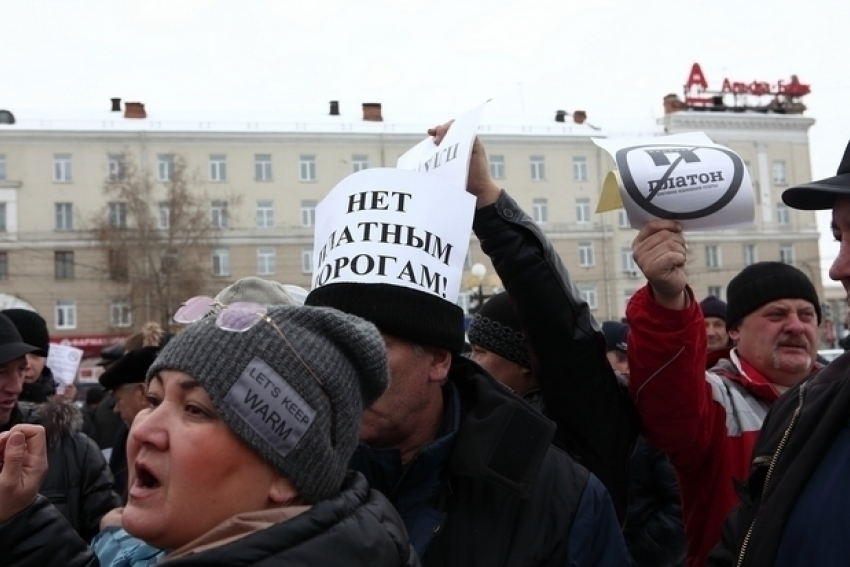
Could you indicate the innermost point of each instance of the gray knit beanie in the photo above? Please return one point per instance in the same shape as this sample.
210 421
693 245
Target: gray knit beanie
269 394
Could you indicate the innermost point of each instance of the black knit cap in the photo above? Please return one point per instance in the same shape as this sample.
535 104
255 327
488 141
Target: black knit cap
497 329
31 326
713 307
415 316
763 282
132 368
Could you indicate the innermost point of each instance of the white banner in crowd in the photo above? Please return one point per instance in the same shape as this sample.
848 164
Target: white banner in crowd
450 160
64 362
407 226
396 227
683 177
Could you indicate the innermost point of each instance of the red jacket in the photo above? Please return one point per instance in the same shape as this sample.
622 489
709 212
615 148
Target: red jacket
706 421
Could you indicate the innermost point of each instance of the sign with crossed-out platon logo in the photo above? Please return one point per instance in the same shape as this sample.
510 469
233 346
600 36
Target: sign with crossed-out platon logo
698 183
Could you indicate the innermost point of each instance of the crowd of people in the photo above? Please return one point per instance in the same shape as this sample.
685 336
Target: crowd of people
360 425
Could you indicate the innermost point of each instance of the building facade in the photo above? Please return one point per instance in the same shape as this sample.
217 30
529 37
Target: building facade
263 181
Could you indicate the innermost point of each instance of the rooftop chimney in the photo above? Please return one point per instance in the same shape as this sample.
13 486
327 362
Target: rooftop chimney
334 108
672 103
560 115
6 117
134 110
116 104
372 112
579 116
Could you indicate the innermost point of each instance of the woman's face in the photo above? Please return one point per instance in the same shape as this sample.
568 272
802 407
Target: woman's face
189 471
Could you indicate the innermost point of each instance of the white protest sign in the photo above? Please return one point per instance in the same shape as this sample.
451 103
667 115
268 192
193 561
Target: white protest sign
450 160
64 361
683 177
396 227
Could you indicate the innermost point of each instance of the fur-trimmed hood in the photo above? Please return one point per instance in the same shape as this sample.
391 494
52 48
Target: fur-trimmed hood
58 417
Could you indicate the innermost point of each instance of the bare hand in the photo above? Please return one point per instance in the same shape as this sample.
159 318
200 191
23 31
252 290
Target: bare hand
479 182
112 518
24 464
661 253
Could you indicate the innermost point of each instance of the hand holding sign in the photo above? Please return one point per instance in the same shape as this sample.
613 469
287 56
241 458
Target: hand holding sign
684 177
479 182
660 253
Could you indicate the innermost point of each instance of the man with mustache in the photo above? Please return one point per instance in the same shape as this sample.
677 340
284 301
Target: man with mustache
707 421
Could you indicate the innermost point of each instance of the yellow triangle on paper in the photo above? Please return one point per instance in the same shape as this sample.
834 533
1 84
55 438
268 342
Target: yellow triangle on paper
610 199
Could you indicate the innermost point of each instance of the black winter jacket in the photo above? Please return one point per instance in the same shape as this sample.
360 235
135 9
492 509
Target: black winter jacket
798 431
357 528
597 422
78 481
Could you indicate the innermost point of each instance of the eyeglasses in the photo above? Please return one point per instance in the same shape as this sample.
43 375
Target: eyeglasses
239 317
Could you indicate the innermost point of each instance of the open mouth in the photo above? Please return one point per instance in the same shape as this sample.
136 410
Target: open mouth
145 479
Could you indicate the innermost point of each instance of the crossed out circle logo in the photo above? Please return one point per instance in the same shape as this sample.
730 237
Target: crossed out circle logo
680 182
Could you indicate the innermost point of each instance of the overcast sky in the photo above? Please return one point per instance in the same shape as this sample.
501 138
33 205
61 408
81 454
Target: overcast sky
615 59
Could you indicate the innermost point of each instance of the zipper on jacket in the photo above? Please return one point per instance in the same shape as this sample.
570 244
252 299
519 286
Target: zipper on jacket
770 469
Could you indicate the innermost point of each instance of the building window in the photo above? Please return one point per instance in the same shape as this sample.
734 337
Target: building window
118 215
497 167
164 218
540 211
307 168
623 219
265 214
3 225
117 168
119 266
359 163
2 167
65 314
62 168
583 210
221 262
262 167
585 254
712 257
307 260
64 216
63 265
783 214
716 291
627 261
165 167
120 314
580 168
538 168
218 167
750 254
265 261
588 293
218 214
779 173
308 213
4 266
786 253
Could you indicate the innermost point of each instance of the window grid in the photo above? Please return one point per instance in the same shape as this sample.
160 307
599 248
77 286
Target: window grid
779 172
750 254
712 257
63 265
165 167
218 214
585 254
265 214
359 163
583 210
307 260
118 215
65 314
540 211
538 168
116 167
307 168
308 213
218 167
265 261
62 168
221 262
3 225
4 266
64 216
2 167
580 168
786 253
588 293
120 314
164 217
716 291
627 261
262 167
783 214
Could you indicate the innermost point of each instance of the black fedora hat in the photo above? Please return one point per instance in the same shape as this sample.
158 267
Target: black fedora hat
132 368
821 194
12 346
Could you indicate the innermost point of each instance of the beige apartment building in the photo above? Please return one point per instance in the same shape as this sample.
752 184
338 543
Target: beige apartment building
52 172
